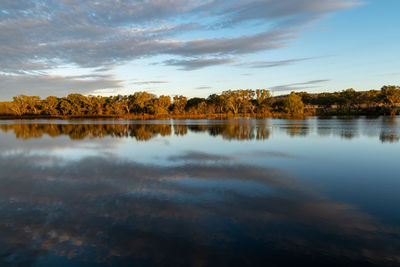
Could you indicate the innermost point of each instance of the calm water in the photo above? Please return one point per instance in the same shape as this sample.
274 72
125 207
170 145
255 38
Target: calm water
315 192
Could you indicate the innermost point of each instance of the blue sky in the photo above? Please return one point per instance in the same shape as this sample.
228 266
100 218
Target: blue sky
197 47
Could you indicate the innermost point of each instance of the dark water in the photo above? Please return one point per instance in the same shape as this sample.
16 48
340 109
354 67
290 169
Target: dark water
315 192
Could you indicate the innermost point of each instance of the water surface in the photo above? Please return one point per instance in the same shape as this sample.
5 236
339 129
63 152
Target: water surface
314 192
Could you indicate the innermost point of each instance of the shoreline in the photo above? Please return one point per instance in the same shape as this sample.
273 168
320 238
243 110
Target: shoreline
186 117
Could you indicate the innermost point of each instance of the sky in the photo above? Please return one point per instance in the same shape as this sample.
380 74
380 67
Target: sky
196 47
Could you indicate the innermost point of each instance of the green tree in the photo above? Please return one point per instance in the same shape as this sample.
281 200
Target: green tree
305 97
293 105
371 98
390 94
349 99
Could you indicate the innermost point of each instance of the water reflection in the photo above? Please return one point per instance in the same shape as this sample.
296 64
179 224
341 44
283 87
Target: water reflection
112 211
304 197
385 129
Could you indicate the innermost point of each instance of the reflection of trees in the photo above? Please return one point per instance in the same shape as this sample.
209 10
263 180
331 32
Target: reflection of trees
389 132
389 138
180 129
262 132
142 132
386 129
297 128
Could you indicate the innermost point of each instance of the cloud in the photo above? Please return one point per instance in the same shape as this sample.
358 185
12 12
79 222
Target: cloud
204 87
40 35
149 82
45 85
272 64
299 86
194 64
284 11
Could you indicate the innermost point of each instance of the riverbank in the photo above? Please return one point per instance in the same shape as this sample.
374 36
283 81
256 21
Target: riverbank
313 113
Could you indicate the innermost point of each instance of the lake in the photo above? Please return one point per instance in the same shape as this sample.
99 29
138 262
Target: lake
246 192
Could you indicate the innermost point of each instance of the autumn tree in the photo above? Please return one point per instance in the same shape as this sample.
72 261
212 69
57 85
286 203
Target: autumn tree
65 106
23 104
216 103
140 100
262 98
5 108
19 105
96 104
161 105
179 104
231 101
78 104
49 105
245 98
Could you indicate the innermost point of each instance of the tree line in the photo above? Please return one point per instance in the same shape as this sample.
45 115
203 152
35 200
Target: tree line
258 103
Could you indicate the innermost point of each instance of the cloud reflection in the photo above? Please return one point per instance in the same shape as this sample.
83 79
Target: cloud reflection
113 211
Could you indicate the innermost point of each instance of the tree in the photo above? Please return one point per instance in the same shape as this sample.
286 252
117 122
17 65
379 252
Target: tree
293 105
140 99
23 104
119 105
179 104
326 100
349 99
193 102
49 105
390 94
123 103
96 104
34 104
78 104
371 98
19 105
65 106
161 105
5 108
216 103
231 101
305 97
202 108
245 98
262 96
